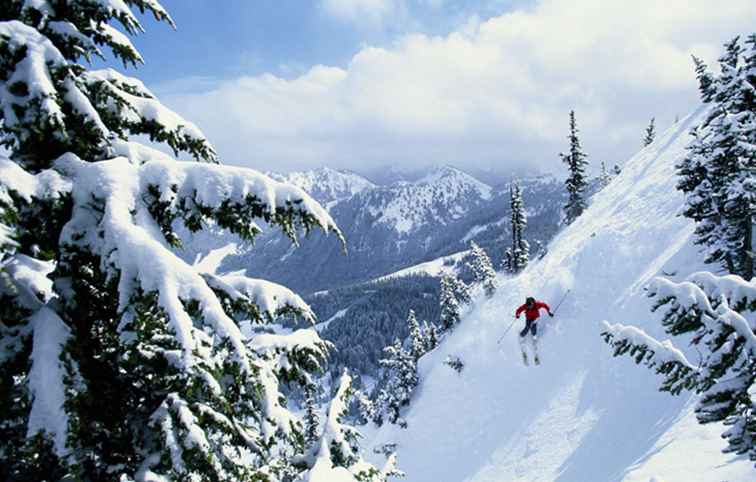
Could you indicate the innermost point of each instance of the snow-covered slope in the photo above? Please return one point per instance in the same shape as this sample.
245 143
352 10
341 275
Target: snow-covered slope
582 415
437 267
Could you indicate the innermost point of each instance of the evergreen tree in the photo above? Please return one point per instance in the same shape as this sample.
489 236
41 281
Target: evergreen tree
430 336
400 380
449 304
705 80
416 339
117 358
453 294
717 173
719 313
311 419
576 179
516 258
650 135
337 454
604 178
482 269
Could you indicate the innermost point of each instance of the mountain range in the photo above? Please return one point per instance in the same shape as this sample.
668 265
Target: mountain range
393 226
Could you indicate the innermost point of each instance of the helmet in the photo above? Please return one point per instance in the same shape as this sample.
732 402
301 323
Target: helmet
529 300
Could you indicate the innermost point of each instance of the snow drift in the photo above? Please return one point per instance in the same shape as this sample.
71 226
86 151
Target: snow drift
582 415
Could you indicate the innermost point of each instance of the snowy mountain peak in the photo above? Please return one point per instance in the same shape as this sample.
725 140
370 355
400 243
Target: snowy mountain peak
327 185
451 176
442 196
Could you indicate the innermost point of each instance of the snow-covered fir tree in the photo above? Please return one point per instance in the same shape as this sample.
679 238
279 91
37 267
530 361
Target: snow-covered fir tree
118 360
719 313
705 79
517 256
400 380
717 175
482 269
337 455
416 337
604 177
650 133
430 336
577 180
311 418
453 294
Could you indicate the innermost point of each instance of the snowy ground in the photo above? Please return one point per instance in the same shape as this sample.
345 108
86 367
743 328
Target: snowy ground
582 415
436 267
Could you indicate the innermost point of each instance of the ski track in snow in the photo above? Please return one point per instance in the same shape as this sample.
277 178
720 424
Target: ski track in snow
581 415
538 449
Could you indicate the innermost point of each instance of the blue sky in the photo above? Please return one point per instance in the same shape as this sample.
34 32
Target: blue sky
228 38
481 84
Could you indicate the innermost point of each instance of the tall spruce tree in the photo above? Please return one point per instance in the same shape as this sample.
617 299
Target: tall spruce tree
719 313
118 360
517 256
577 180
717 175
650 134
482 269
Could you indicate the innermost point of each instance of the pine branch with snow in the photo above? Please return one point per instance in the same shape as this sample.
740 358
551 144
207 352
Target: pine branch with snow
119 360
719 311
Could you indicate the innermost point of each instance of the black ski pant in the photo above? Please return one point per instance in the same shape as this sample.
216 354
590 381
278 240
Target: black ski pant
529 325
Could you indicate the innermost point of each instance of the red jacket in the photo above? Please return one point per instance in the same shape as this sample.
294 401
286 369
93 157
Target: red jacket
532 313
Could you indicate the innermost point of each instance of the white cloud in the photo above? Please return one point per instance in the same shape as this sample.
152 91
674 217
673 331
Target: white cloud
366 12
494 93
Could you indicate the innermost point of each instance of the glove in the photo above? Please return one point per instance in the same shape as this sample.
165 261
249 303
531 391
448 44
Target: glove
551 314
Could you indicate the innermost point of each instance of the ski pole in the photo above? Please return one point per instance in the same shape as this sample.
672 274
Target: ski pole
561 301
507 330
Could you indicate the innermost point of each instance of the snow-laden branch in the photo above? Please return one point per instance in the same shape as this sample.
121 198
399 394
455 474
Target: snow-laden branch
138 111
40 86
657 353
719 312
46 378
662 356
131 245
32 71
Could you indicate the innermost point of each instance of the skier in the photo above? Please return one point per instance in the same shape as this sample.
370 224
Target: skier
532 313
